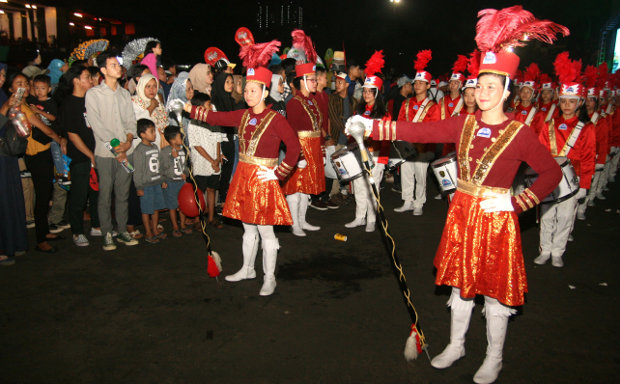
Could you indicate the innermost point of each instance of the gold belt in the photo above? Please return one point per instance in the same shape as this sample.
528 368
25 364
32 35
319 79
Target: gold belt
308 134
478 190
266 161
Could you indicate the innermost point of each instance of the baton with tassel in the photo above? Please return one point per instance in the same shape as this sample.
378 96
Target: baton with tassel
416 342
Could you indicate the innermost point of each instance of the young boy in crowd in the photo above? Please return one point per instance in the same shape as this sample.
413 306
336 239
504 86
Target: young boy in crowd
206 156
148 180
47 110
172 161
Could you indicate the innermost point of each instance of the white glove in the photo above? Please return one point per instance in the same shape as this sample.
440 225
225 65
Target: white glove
581 194
266 174
301 164
496 202
599 167
357 119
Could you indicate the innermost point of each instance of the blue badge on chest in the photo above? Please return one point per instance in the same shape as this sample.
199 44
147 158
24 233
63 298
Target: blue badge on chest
366 113
544 109
252 121
484 132
563 127
310 102
450 105
416 107
524 112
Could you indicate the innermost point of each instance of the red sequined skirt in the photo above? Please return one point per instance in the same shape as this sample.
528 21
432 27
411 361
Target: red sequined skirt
480 253
311 179
253 201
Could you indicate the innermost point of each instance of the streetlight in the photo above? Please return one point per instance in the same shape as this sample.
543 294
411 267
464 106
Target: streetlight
395 1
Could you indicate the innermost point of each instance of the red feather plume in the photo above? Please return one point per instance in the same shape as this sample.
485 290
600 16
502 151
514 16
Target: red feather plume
531 72
375 64
473 64
258 55
460 65
422 59
510 27
603 74
590 75
566 69
303 42
544 78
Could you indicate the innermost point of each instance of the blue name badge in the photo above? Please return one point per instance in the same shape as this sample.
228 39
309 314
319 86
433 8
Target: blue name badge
563 127
484 132
416 107
524 112
253 121
450 105
310 102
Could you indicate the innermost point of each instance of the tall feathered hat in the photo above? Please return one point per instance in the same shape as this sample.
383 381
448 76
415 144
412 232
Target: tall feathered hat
303 44
459 66
374 65
420 63
255 57
568 71
473 65
603 80
530 76
499 32
546 82
590 77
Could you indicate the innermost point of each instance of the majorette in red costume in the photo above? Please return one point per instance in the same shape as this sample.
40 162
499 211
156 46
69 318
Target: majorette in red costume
373 108
525 110
480 249
547 106
452 103
304 115
565 136
255 197
469 100
416 109
611 96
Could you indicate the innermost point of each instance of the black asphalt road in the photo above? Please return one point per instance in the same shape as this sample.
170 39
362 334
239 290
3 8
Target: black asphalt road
150 313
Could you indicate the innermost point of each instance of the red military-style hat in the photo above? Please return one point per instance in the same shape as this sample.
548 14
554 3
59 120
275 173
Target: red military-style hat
568 71
303 43
255 57
459 66
422 59
473 65
590 76
374 65
531 76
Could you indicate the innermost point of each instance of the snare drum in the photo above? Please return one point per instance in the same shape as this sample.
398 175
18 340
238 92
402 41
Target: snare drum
445 171
568 187
347 162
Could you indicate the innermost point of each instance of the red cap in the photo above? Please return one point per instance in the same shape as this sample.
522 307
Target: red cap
259 75
373 82
501 63
304 69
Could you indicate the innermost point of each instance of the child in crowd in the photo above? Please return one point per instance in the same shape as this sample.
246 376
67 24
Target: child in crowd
47 110
148 180
206 156
174 171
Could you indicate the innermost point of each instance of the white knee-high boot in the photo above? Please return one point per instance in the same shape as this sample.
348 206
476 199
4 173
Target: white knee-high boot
249 248
497 323
460 312
293 204
304 200
270 256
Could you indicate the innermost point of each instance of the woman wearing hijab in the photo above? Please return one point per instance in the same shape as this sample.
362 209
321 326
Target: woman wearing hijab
146 105
56 68
276 92
201 77
222 100
183 90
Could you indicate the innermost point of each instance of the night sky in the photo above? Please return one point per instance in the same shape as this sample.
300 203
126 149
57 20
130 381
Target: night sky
445 26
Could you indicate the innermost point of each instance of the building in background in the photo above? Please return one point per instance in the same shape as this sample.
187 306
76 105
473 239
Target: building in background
278 15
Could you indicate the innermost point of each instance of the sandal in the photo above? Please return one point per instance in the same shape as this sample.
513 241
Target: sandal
161 235
176 233
152 240
136 234
187 231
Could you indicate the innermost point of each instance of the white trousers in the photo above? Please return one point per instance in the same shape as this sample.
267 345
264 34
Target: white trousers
614 162
413 178
365 204
556 223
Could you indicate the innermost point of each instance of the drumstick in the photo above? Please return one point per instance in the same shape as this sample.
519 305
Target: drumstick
416 342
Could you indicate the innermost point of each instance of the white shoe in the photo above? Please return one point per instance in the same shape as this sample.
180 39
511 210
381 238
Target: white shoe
96 232
407 206
370 226
488 371
571 238
600 196
449 355
438 197
80 240
309 227
542 258
591 203
269 286
581 216
557 261
298 231
417 211
245 273
356 223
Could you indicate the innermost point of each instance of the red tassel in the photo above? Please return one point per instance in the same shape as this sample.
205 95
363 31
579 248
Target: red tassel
214 264
422 59
460 65
258 55
375 64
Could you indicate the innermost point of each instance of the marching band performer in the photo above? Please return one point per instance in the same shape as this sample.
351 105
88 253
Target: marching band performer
469 99
480 250
254 196
416 109
452 103
525 110
572 136
372 107
547 106
304 115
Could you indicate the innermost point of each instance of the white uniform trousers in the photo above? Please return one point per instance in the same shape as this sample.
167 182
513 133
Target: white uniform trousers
556 223
365 204
413 178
